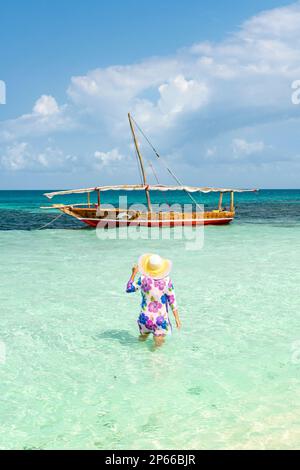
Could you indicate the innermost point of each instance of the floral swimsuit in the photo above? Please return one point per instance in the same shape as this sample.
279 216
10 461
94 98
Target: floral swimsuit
157 295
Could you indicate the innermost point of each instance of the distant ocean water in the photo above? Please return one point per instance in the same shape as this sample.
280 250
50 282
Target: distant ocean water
73 374
20 210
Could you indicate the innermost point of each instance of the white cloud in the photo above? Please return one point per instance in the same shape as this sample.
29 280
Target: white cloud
120 83
211 151
15 157
46 106
177 97
108 158
242 147
250 70
23 156
46 117
282 23
180 95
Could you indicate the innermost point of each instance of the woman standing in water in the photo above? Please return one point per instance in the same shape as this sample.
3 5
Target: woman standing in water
157 296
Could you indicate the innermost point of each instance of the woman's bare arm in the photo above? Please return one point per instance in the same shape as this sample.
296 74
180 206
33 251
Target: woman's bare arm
135 270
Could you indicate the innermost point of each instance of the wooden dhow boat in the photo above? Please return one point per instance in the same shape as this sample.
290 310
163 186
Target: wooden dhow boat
97 215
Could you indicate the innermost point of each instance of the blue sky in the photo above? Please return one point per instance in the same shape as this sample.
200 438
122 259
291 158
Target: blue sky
209 81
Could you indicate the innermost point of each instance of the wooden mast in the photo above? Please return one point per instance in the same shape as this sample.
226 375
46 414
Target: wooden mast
141 162
231 201
220 202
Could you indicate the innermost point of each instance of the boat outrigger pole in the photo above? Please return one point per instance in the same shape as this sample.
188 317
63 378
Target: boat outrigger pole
141 163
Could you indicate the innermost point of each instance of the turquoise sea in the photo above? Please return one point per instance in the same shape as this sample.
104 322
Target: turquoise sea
74 376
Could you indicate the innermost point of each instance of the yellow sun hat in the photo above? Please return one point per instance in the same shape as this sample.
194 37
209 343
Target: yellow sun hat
154 266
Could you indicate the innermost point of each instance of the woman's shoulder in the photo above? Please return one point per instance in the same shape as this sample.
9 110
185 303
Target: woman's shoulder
145 280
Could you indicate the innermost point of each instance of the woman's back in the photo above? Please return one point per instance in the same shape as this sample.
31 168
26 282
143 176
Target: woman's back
157 296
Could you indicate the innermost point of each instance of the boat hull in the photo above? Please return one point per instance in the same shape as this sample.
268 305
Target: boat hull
125 218
148 223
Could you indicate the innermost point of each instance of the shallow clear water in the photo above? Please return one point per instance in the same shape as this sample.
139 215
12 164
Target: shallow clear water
75 375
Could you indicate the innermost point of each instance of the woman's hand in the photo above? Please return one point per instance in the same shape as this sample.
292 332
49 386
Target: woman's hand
135 270
177 320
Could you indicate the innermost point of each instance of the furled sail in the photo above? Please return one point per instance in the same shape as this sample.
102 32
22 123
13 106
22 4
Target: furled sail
157 187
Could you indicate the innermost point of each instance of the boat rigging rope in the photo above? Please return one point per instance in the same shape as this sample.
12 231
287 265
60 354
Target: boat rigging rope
51 222
165 165
149 163
153 171
157 180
